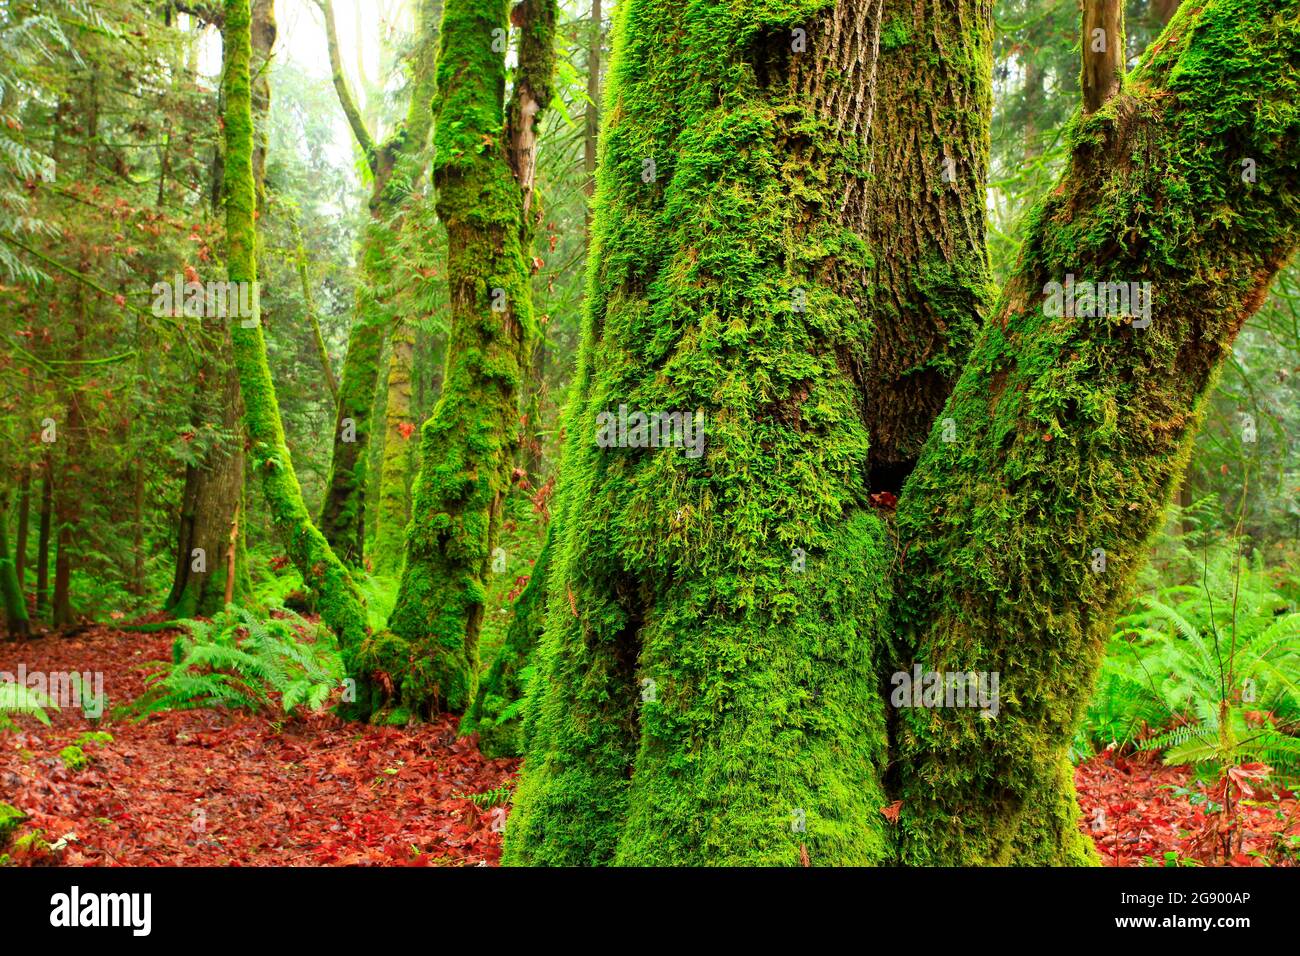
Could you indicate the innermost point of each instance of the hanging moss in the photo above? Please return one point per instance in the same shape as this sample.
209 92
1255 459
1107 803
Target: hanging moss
1072 432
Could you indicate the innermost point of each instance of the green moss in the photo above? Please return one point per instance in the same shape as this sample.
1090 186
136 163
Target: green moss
467 444
74 758
1073 432
10 819
698 700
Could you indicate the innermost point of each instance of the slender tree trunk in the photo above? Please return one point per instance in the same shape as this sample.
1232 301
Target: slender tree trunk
340 603
309 299
24 522
483 168
15 606
396 165
394 500
43 537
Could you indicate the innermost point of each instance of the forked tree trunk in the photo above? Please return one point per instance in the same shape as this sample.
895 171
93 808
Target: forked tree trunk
723 631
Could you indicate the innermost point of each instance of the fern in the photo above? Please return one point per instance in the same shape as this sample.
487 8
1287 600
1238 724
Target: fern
1223 641
24 701
241 661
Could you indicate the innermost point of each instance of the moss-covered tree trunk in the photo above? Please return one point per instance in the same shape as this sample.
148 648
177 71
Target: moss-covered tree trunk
395 165
483 170
706 687
722 630
340 603
213 493
1025 532
17 623
395 469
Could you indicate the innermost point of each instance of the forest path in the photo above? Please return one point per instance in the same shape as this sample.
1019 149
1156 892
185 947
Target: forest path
217 788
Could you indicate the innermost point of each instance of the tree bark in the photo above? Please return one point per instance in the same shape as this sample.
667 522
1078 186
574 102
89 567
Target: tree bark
723 631
24 523
214 488
706 686
17 623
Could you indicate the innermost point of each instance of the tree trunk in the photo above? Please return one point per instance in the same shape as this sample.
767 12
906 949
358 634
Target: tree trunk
394 499
706 687
43 537
724 630
24 523
340 603
483 168
214 488
1072 432
15 606
396 165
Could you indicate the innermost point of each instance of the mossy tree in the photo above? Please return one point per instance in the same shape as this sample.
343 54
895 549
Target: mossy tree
712 683
341 605
484 166
211 565
395 166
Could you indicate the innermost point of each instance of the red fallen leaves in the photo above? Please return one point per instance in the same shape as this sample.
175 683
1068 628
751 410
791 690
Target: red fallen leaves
1131 812
217 788
891 811
885 499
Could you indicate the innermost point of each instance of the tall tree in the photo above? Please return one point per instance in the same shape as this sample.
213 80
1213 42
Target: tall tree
209 535
395 166
723 630
341 606
484 163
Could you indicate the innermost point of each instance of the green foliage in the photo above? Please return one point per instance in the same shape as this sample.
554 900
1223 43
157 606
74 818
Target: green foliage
489 799
24 701
241 661
1205 668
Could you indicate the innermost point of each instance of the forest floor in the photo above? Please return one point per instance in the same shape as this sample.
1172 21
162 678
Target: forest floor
216 788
